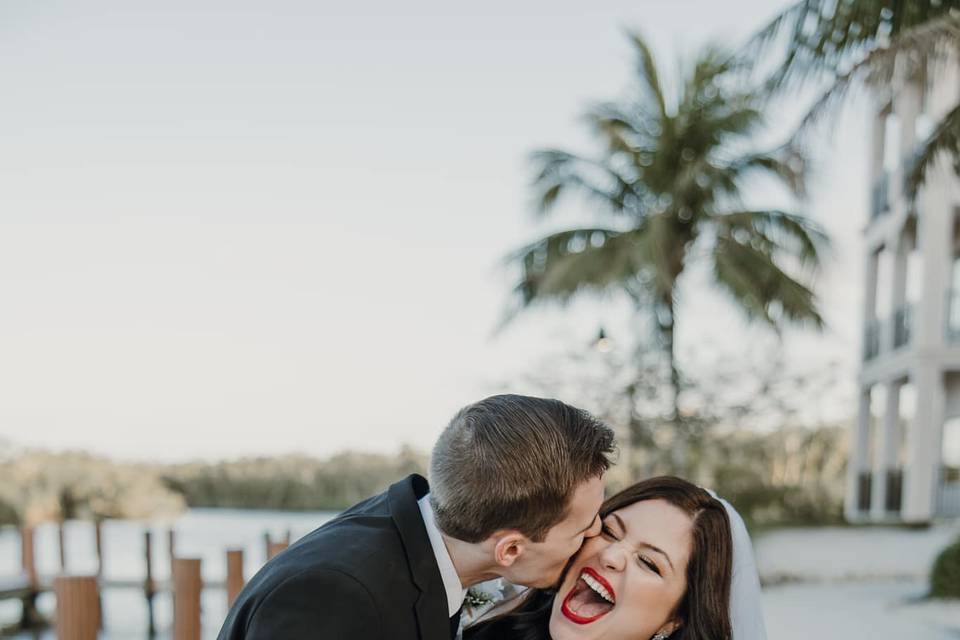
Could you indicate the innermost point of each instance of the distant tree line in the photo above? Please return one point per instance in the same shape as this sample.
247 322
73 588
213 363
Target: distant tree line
42 486
788 476
291 482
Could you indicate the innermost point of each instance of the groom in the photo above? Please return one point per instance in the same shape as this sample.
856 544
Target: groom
516 483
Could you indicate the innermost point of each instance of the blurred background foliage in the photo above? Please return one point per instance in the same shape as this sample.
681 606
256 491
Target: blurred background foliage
291 482
39 486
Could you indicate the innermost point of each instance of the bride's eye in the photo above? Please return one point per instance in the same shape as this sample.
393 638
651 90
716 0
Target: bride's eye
650 564
607 532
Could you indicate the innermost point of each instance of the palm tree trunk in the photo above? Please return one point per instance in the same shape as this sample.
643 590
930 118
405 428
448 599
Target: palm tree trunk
666 320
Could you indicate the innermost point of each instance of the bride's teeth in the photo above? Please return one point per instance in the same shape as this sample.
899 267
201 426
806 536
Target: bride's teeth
597 587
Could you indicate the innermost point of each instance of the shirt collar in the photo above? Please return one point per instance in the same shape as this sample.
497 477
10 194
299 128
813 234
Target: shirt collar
448 573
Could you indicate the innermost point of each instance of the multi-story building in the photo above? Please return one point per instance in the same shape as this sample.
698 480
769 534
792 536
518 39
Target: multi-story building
905 453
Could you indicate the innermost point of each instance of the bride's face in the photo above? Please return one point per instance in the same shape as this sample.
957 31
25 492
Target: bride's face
627 582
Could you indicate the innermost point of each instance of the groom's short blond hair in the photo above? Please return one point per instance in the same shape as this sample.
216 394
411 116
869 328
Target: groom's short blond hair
514 462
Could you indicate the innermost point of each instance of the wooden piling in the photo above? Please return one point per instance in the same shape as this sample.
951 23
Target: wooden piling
28 557
171 548
78 616
62 544
30 617
234 574
149 587
98 544
98 537
187 585
266 546
274 548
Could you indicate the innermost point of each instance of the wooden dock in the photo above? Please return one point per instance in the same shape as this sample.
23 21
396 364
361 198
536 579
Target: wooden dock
185 585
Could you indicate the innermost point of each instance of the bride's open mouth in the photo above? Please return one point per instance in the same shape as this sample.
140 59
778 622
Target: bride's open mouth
590 599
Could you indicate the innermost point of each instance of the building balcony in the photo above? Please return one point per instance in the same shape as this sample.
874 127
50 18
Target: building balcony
871 340
948 500
880 196
953 315
902 325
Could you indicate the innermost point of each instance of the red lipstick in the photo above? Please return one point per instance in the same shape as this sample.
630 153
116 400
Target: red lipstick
576 618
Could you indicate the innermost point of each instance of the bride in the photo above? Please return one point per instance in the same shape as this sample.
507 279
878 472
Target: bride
661 568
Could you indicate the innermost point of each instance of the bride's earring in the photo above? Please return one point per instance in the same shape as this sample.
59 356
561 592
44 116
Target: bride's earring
660 636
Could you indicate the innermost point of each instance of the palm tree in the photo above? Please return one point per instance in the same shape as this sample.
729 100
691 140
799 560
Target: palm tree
856 43
667 181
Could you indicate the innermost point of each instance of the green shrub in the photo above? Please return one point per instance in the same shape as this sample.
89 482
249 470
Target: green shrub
945 577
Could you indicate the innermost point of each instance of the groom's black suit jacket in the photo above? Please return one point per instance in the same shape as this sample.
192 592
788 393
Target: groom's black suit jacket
368 574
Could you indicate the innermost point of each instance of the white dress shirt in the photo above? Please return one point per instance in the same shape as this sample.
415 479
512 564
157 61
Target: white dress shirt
451 581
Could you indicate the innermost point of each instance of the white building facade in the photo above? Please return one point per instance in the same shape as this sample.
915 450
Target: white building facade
905 453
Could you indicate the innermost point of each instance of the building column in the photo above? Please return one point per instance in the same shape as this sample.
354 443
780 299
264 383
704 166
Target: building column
887 450
908 103
858 462
907 107
871 327
935 228
870 299
921 482
879 138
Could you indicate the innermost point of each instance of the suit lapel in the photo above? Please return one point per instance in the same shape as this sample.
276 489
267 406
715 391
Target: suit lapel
431 604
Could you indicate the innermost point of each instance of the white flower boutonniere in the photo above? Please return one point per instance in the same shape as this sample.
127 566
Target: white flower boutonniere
482 597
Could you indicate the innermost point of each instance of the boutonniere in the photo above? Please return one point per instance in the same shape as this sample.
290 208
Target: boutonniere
483 594
477 598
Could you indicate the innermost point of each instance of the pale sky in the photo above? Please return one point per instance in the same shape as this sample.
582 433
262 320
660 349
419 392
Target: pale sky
243 228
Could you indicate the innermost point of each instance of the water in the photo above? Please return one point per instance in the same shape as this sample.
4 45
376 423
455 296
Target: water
856 583
200 533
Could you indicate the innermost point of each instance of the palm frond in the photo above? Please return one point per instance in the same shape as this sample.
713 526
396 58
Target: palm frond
735 119
945 138
778 231
648 74
558 171
622 131
824 36
563 264
786 163
760 287
912 49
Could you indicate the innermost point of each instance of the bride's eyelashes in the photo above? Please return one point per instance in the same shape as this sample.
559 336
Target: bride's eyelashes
650 564
607 532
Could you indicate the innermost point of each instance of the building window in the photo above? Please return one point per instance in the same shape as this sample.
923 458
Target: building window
950 456
953 302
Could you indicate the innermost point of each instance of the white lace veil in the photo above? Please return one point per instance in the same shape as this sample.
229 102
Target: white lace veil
746 610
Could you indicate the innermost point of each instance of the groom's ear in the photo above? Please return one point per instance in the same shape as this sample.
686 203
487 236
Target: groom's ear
509 546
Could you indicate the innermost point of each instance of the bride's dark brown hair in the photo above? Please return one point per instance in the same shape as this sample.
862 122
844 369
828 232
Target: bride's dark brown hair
704 609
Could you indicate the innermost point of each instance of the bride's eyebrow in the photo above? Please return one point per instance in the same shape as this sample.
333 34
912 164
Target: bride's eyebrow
647 545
